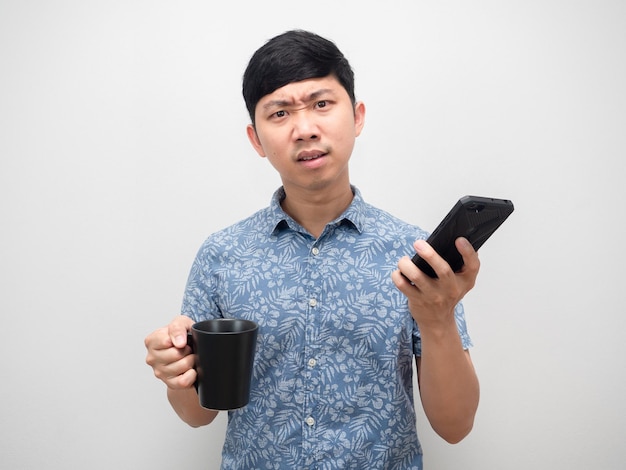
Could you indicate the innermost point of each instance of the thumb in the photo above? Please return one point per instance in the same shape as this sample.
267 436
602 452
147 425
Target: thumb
178 330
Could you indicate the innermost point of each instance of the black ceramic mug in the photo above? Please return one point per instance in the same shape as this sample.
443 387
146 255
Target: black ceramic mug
224 350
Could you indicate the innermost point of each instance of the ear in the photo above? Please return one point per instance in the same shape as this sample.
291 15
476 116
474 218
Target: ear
254 140
359 117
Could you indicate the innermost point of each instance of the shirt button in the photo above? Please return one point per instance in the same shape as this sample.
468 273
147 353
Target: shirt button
312 362
315 251
312 302
310 421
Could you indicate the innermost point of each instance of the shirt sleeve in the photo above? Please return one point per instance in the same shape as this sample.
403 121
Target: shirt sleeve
199 299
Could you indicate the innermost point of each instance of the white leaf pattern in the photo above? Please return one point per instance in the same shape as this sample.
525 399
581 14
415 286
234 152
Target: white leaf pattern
336 341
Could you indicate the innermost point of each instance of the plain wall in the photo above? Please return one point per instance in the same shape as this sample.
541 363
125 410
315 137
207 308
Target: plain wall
122 146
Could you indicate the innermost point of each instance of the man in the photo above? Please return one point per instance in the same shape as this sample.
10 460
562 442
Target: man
341 308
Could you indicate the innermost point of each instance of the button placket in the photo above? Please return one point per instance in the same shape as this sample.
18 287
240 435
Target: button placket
315 292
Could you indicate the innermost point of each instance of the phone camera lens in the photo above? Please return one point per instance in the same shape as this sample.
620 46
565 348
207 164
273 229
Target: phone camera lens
475 207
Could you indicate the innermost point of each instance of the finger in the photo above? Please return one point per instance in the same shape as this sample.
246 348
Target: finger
184 380
471 263
167 362
428 254
164 357
158 339
470 256
177 374
401 280
409 273
179 367
178 329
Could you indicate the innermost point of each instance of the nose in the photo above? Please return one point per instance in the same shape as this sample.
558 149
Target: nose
304 126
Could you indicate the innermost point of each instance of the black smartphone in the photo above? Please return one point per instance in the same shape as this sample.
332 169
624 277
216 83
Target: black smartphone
472 217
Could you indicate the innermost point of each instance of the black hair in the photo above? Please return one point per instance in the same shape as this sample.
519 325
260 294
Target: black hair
292 57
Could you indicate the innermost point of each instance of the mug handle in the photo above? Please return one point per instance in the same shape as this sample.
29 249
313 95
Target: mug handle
190 344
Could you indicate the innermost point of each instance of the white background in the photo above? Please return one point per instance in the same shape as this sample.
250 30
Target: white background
122 146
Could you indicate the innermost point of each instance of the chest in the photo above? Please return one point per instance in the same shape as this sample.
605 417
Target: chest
334 292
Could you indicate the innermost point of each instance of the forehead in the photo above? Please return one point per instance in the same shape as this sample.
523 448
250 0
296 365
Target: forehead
302 92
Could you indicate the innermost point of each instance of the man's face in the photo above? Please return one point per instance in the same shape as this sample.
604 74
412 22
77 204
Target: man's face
307 131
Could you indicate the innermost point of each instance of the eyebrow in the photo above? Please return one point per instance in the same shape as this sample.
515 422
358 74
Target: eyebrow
312 97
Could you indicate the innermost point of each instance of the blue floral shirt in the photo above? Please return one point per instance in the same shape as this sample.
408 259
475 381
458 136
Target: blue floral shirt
332 380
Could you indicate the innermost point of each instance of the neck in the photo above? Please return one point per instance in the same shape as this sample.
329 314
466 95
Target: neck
315 209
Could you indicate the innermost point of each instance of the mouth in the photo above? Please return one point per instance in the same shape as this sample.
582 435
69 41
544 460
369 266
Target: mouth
308 156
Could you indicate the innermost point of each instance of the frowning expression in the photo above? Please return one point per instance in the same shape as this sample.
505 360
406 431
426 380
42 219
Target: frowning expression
307 131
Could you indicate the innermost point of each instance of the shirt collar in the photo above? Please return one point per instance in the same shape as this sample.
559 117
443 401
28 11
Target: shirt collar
279 219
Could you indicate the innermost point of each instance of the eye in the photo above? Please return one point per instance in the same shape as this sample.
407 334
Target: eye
280 114
321 104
